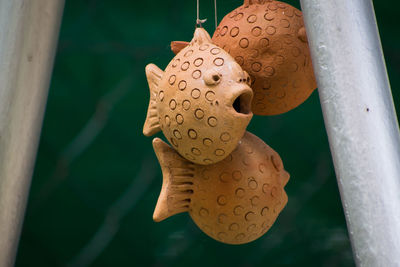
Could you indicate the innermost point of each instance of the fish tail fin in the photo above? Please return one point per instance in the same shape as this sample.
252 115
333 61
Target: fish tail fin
177 186
152 123
177 46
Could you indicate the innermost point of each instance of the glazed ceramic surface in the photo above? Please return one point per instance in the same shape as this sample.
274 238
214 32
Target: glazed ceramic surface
234 201
201 102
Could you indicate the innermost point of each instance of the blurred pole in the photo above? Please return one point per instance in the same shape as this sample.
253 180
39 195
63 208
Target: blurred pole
28 38
361 123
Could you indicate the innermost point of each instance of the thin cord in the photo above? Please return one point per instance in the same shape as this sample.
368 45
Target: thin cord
198 20
215 11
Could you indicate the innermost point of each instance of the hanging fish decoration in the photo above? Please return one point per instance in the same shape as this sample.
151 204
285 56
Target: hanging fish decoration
201 102
268 40
234 201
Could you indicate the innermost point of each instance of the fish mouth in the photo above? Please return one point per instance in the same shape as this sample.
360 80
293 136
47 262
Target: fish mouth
241 101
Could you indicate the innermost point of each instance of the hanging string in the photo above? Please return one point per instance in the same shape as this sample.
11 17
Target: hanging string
215 11
198 20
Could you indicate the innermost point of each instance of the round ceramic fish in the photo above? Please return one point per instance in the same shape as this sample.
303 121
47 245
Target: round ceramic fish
201 102
234 201
268 40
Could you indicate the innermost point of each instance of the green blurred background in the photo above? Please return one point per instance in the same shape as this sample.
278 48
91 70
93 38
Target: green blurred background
97 180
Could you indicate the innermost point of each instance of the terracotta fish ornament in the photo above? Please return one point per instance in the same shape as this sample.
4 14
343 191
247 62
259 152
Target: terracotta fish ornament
269 41
201 102
234 201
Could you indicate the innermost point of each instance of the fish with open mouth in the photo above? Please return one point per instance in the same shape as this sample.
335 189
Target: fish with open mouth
234 201
201 102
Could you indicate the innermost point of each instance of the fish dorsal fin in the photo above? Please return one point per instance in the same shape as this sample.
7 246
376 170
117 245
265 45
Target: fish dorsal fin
177 186
200 37
177 46
152 123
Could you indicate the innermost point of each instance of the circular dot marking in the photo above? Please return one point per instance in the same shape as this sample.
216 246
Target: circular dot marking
295 51
188 53
225 137
252 183
272 6
219 152
196 74
294 67
203 212
212 121
256 31
239 60
186 104
298 13
215 51
185 65
269 16
190 157
177 134
221 236
254 200
207 142
208 161
234 31
239 192
239 16
199 113
161 95
289 12
179 118
285 23
264 211
274 191
198 62
221 200
271 30
196 151
251 228
223 31
279 59
210 96
262 168
222 218
252 18
256 66
244 43
195 93
237 175
182 85
176 62
234 227
280 94
218 61
269 71
173 142
167 120
265 188
172 79
192 134
240 237
264 42
224 177
249 216
172 104
238 210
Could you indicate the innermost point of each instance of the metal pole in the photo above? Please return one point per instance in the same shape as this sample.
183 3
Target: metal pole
28 37
361 123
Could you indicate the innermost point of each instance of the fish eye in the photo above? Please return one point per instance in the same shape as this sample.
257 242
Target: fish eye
212 77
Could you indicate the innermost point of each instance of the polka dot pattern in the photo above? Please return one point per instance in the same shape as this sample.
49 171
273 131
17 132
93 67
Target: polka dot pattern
269 42
242 200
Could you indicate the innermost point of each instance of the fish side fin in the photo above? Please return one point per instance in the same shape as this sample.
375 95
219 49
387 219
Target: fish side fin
177 186
177 46
152 123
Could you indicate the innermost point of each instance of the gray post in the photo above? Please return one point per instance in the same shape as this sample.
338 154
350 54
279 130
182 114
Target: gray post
361 123
28 37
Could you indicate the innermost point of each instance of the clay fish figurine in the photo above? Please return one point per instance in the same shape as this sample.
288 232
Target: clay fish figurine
234 201
269 41
201 101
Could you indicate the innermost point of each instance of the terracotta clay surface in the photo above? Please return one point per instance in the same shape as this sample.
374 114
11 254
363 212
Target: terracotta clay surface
268 39
234 201
201 102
